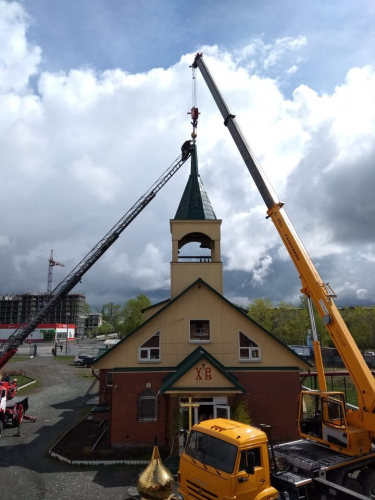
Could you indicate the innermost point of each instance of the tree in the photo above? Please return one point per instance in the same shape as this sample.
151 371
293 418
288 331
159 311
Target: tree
112 315
132 316
262 312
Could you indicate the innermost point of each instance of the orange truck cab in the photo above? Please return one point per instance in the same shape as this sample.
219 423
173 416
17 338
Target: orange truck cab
224 459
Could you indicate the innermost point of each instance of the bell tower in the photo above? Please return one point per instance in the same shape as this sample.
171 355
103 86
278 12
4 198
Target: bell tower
195 237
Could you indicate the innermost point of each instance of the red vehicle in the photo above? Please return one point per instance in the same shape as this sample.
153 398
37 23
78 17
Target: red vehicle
12 407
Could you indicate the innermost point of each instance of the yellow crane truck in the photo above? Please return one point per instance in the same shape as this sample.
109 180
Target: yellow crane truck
224 459
336 456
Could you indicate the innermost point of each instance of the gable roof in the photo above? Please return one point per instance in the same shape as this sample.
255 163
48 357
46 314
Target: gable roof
198 355
169 303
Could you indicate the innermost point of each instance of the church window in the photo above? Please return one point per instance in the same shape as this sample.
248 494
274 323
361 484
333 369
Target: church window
200 330
150 350
249 350
147 406
109 379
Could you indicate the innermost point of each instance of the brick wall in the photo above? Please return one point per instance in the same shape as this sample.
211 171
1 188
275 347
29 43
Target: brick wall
272 399
125 427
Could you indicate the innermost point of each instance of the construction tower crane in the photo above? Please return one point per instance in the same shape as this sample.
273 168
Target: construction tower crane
51 264
9 347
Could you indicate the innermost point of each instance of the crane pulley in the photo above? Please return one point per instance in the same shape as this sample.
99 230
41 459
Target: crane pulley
194 113
9 347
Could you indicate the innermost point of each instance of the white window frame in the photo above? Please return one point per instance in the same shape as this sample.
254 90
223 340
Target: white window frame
200 341
224 408
252 357
148 350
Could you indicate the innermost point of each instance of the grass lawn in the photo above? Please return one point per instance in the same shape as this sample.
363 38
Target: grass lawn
337 383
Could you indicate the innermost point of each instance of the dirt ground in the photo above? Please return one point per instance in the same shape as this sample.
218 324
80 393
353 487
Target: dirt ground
89 440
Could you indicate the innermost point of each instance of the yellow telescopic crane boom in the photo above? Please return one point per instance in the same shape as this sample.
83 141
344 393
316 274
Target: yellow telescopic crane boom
322 296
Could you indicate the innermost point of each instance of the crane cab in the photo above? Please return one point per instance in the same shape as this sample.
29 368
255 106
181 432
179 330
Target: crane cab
322 417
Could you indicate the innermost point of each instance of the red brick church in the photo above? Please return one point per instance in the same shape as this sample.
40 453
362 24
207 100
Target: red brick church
196 347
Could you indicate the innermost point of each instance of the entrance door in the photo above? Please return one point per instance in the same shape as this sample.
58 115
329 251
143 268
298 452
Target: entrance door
221 411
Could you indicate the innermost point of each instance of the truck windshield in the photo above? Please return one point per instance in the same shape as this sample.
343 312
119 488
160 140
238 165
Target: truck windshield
211 451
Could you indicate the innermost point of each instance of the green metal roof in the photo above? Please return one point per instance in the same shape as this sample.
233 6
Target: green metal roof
195 204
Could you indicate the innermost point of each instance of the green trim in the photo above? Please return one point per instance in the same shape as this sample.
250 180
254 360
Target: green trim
142 370
227 368
155 305
208 389
263 368
195 357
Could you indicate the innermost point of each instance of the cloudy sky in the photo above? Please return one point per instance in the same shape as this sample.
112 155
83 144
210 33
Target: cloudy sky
93 109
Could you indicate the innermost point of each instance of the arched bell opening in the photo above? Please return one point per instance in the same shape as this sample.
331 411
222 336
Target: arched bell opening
195 247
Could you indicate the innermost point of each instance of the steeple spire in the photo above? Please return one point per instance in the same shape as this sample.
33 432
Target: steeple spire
195 204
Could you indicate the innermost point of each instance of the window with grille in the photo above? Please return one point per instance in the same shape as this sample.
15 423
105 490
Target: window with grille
147 406
249 350
150 350
200 330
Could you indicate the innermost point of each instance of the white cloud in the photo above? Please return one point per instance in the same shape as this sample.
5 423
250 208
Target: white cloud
362 294
18 59
77 153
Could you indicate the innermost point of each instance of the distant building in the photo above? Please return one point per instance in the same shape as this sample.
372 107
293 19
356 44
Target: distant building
17 308
44 332
92 321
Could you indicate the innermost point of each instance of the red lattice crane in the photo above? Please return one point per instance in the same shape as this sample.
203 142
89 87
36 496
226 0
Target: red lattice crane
51 264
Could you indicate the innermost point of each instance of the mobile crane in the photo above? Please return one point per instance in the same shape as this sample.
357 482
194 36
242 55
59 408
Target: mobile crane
336 454
9 347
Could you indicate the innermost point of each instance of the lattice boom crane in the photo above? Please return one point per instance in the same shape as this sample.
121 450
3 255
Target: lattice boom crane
9 348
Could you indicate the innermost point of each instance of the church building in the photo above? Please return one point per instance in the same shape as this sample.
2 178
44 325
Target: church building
196 354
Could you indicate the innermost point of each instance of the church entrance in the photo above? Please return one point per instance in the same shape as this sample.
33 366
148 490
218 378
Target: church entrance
204 409
201 409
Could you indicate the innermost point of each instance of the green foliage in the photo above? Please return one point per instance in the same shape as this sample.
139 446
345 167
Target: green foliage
241 411
123 319
361 323
261 311
132 313
291 324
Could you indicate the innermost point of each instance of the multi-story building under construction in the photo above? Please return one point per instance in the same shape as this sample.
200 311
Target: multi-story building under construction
17 308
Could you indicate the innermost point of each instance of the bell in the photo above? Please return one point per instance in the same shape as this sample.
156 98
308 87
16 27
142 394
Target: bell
156 482
206 243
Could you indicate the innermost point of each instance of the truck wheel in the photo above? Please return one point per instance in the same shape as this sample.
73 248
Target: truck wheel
352 484
367 480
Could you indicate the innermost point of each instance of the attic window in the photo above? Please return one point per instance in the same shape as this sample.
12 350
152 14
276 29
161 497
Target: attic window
200 330
150 350
249 350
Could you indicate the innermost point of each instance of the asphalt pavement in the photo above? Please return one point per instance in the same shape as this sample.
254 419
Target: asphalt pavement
26 470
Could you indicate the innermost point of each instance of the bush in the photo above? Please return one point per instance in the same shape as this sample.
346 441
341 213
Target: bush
241 412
